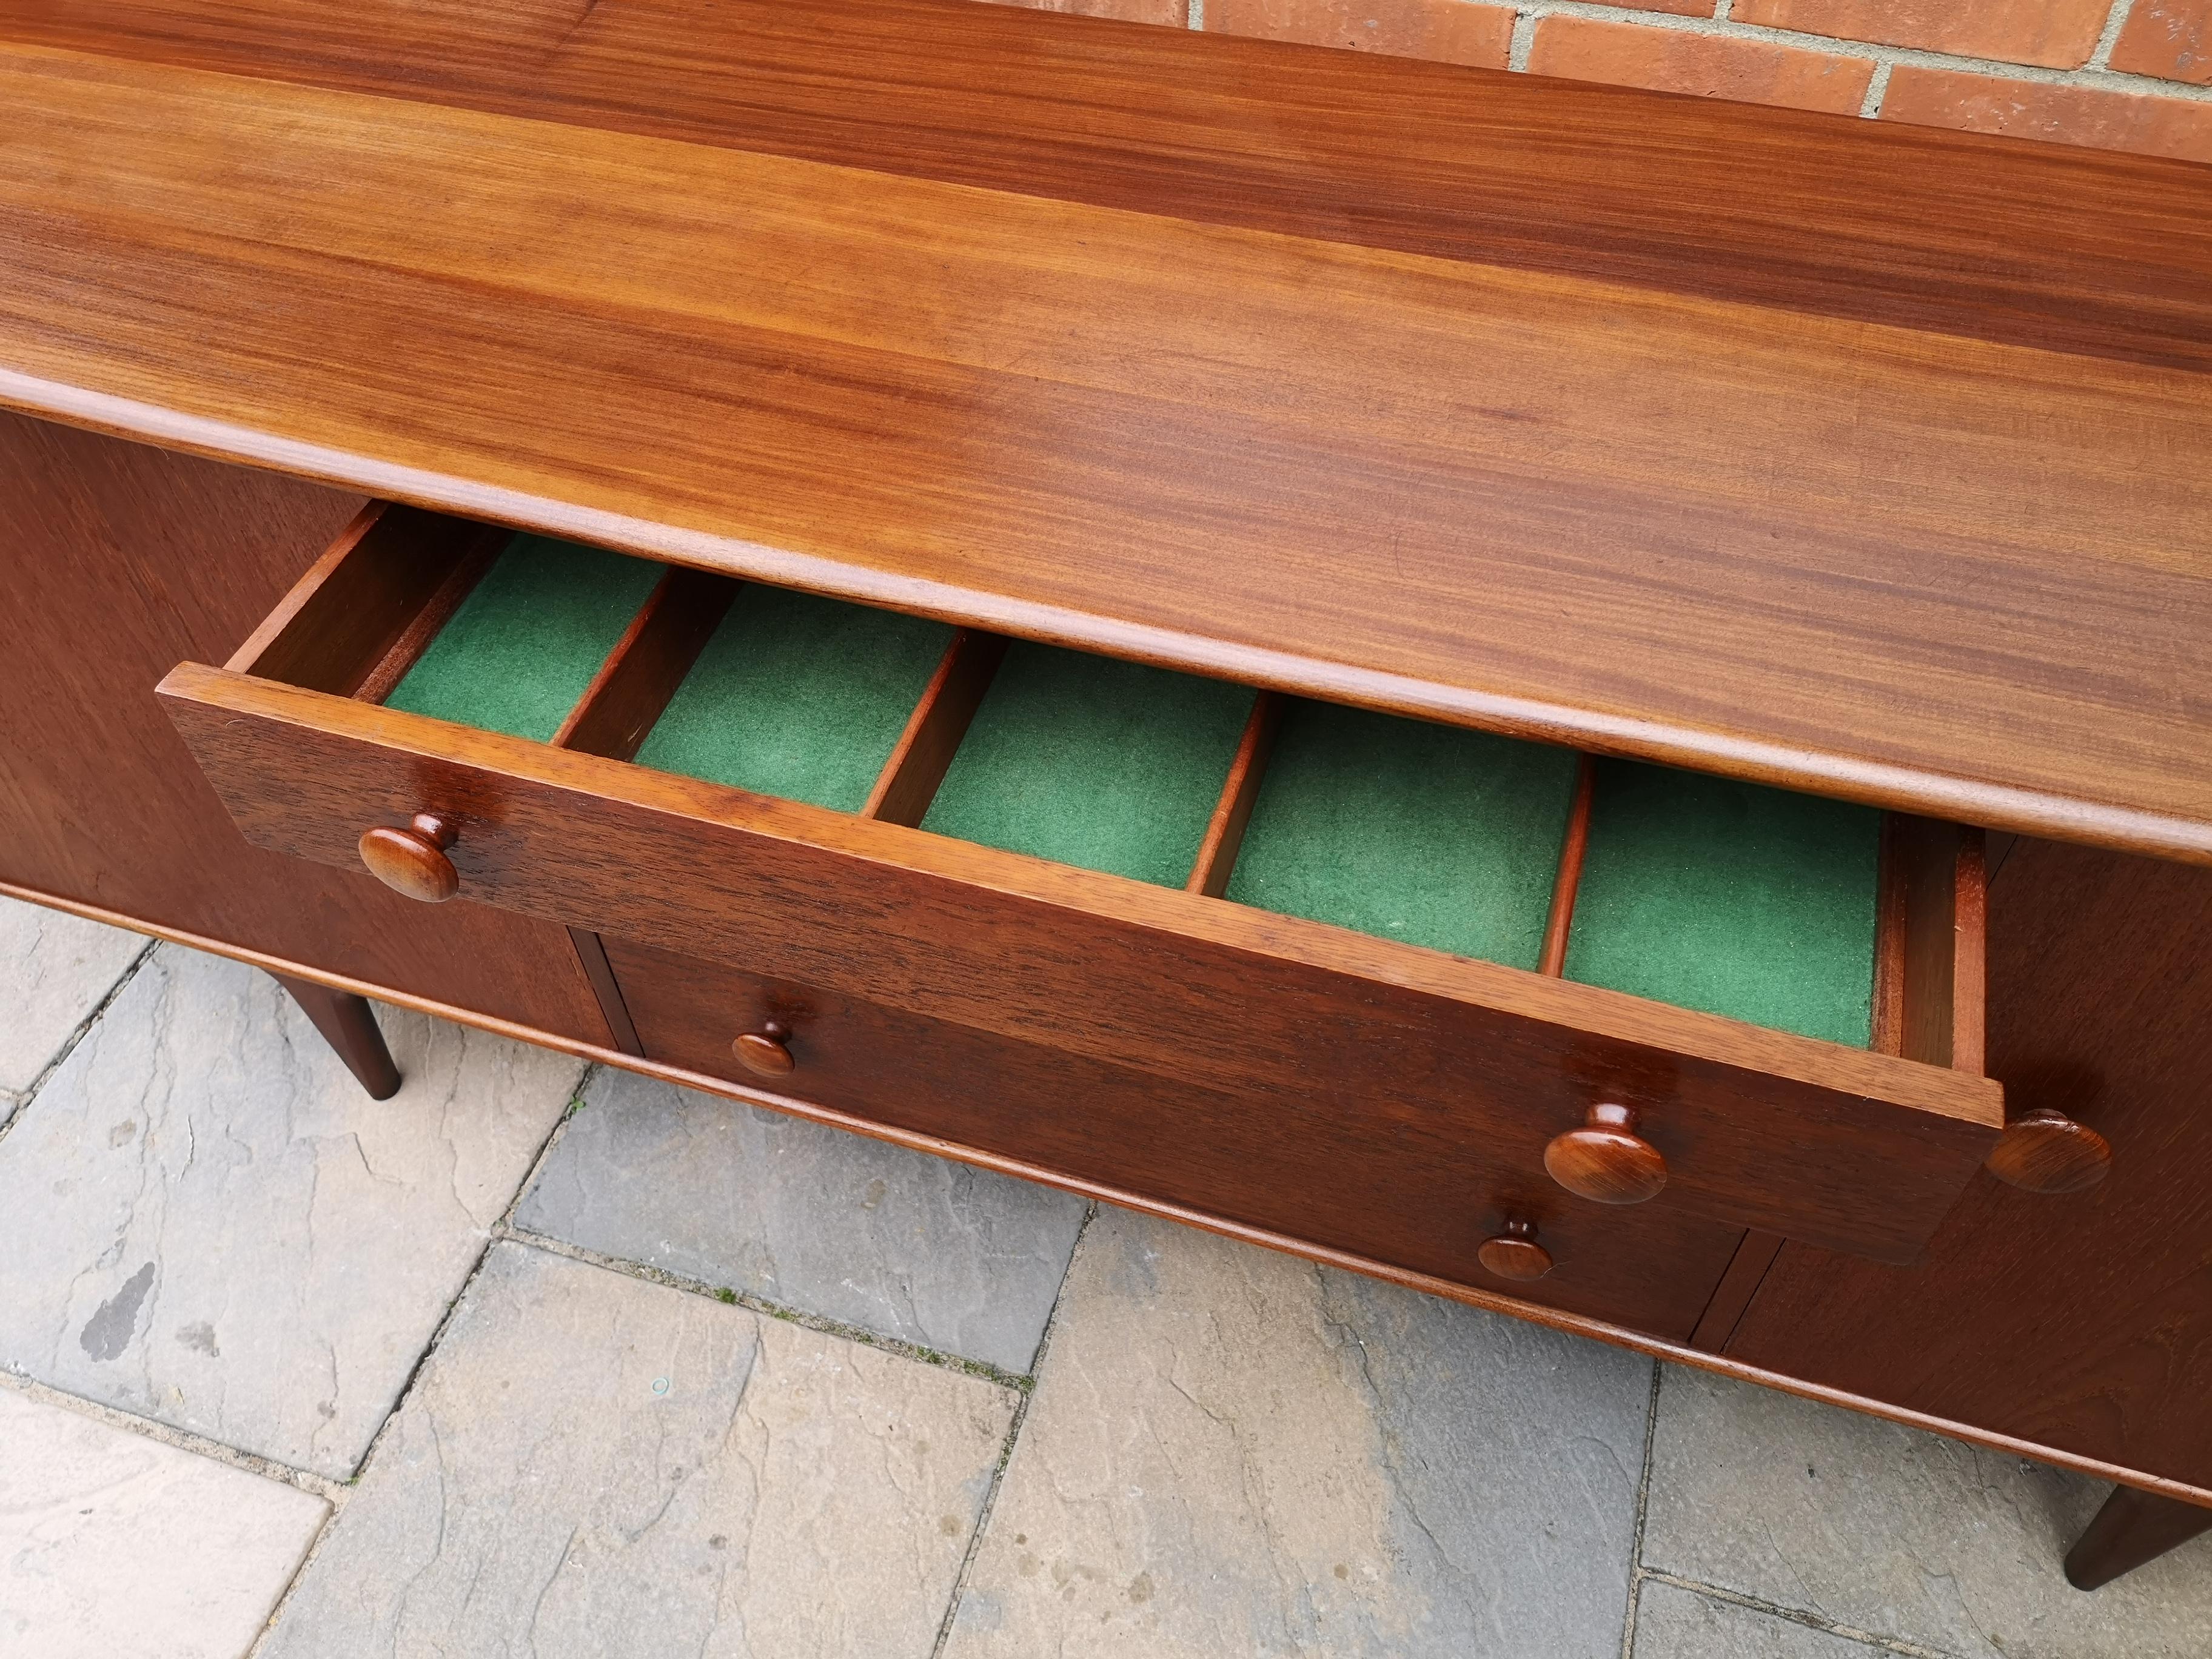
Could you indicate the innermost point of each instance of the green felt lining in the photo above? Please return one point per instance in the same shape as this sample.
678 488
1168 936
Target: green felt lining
1707 894
799 696
1732 898
1093 762
1430 833
525 644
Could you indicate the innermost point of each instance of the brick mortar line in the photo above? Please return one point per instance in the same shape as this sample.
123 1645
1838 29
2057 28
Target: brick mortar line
1877 90
2103 79
1013 1433
2100 55
1896 1644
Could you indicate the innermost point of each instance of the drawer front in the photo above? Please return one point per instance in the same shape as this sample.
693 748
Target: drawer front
1858 1150
1321 1171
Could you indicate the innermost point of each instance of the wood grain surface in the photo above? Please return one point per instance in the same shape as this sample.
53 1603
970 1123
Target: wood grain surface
1717 459
117 560
2078 1320
1758 1128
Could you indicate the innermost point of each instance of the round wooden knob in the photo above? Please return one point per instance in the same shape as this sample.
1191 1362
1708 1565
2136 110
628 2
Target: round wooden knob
413 860
1515 1253
1605 1159
2047 1152
765 1052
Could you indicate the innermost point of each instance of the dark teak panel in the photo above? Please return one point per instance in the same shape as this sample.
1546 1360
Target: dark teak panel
1323 1171
118 561
2083 1320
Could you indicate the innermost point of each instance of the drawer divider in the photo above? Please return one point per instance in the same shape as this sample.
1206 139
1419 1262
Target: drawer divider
1572 846
918 763
646 664
1225 831
473 557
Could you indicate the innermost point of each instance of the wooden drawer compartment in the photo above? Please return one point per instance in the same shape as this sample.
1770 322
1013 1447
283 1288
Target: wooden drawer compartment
1422 1196
1252 896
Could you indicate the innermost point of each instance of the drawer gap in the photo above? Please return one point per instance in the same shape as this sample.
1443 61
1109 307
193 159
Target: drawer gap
909 779
1093 762
640 676
1240 790
1431 835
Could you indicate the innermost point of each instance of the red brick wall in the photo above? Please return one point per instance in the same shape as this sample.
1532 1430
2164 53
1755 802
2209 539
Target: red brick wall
2131 74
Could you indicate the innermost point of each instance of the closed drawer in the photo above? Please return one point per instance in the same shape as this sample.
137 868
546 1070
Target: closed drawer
1251 897
1347 1176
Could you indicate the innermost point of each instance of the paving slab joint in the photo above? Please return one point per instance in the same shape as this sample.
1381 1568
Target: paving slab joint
1019 1382
1007 1449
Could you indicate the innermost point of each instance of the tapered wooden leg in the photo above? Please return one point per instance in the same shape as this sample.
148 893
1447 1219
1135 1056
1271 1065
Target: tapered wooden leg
349 1025
2133 1527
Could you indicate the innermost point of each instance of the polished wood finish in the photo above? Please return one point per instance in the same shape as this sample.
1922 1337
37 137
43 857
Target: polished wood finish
465 559
2076 251
1945 948
1605 1160
1225 831
909 781
1758 1128
2046 1151
413 860
119 562
1746 1269
1560 924
1636 515
2132 1528
1342 1172
648 663
349 1025
2081 1324
764 1053
1514 1253
358 620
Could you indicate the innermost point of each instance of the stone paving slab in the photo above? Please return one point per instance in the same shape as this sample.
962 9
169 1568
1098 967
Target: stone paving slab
210 1224
1231 1452
58 968
1673 1623
1899 1533
868 1234
114 1547
598 1467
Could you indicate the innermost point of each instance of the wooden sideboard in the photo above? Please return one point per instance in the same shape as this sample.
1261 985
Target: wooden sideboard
1867 463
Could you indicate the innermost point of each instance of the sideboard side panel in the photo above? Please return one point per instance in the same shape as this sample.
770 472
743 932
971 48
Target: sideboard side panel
117 562
2082 1321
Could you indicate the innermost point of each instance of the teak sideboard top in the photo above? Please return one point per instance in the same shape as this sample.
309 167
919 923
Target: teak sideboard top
1871 461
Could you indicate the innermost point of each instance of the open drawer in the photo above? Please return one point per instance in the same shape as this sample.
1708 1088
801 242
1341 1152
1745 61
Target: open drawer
1628 984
